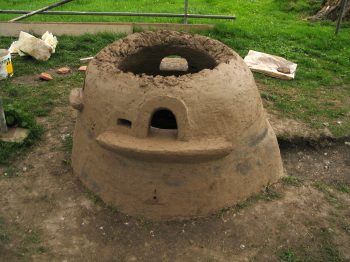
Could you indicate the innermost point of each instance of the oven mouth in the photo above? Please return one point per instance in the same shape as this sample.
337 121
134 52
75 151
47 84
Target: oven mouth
181 60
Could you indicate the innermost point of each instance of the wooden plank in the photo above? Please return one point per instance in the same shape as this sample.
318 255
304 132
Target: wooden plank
72 29
173 27
76 29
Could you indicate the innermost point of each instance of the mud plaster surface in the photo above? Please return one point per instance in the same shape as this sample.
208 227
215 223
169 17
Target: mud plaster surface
225 149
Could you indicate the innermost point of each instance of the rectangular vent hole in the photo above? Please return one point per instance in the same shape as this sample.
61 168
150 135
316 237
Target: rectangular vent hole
124 122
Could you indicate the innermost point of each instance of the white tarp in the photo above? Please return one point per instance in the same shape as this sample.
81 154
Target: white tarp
40 49
268 65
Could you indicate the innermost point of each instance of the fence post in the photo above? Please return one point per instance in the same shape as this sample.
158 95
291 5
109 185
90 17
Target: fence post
186 12
342 8
3 126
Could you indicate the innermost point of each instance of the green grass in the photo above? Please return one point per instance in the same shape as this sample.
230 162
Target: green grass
292 181
319 94
10 172
25 103
268 194
324 250
4 235
98 201
68 52
346 227
19 241
342 187
33 237
329 193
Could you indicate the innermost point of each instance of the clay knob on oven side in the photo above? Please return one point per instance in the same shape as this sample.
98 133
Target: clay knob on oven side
76 99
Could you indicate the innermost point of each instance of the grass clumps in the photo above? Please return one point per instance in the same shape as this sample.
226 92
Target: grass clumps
342 187
305 7
25 102
268 194
99 202
292 181
10 172
17 117
329 193
325 250
288 255
4 235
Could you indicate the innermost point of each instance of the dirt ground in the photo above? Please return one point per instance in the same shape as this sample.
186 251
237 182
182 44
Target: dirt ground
47 215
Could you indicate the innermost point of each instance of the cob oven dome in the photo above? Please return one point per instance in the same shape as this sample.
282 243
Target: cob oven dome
168 144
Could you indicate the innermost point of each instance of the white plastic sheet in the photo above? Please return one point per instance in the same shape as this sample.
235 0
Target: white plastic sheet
268 65
40 49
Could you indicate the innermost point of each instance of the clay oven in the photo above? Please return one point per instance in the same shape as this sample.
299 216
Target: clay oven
169 144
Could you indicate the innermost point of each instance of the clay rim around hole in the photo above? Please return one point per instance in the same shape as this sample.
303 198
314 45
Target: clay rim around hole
148 59
114 56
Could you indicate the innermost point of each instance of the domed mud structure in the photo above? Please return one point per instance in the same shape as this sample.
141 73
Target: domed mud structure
172 144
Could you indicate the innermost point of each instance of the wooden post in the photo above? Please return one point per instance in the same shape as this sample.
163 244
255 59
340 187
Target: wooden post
3 126
186 12
342 8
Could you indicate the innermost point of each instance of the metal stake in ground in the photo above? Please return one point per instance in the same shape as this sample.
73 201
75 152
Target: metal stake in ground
342 8
186 12
3 126
40 10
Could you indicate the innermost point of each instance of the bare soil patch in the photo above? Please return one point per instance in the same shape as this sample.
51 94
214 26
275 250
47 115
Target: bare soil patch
34 80
291 129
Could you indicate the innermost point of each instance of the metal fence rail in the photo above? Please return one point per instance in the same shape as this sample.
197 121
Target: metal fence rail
40 10
120 14
43 11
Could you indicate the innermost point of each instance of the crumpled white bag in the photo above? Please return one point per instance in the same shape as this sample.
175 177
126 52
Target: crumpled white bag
14 49
40 49
268 65
51 40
